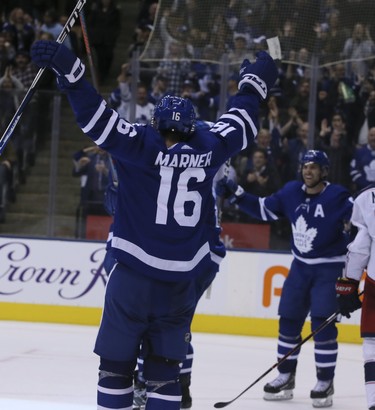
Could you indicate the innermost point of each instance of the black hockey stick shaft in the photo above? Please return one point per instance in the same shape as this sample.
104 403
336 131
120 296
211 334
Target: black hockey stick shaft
329 320
31 91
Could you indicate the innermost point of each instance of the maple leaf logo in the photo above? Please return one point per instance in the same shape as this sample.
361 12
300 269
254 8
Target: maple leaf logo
303 235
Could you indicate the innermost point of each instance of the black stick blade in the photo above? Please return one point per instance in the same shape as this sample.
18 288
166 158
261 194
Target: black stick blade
221 404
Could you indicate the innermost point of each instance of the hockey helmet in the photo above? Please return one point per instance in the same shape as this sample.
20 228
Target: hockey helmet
316 157
175 114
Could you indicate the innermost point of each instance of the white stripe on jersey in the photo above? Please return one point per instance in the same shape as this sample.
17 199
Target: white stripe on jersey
216 258
95 117
107 129
158 263
315 261
264 211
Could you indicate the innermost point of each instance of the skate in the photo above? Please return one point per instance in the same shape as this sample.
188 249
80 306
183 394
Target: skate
322 394
140 396
280 388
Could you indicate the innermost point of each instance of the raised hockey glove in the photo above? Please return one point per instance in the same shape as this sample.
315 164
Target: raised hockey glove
258 77
347 296
227 188
50 54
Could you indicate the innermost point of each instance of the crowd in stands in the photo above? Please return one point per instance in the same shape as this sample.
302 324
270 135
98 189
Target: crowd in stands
184 58
178 54
22 22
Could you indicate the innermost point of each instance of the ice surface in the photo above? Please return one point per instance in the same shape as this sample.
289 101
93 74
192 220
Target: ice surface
48 366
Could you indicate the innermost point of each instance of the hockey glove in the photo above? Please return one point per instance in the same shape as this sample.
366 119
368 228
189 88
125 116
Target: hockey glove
227 188
348 297
258 77
50 54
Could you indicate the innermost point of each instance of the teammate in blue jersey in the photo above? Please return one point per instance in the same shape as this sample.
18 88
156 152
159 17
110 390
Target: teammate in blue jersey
319 213
164 236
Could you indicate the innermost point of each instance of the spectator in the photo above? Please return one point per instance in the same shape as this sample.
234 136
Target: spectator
240 51
300 102
369 118
25 71
92 166
297 69
22 33
159 87
176 67
103 25
334 39
343 97
357 49
340 154
363 163
260 177
294 150
8 165
287 40
337 124
122 98
52 25
7 53
148 12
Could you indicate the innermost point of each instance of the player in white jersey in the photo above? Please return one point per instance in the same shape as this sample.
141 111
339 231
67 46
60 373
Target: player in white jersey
165 239
361 257
318 213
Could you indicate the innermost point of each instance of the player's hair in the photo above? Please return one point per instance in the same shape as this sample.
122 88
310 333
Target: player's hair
174 114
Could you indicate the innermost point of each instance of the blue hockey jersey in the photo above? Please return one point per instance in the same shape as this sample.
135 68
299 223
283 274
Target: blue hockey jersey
317 221
164 225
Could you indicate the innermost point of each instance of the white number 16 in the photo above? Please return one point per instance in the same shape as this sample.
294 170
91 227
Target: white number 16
182 196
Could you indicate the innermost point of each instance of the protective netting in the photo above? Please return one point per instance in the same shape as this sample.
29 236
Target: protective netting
205 31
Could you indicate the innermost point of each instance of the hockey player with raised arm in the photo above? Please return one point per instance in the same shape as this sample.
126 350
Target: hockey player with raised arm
318 213
164 237
361 257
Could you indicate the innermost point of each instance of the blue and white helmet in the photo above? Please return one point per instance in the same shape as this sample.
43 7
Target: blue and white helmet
316 157
175 114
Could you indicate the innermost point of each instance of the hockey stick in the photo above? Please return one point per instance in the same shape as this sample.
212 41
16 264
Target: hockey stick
88 48
30 92
329 320
94 79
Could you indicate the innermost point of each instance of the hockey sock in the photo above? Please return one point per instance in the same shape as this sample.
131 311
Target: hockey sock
163 388
115 385
115 391
289 337
369 358
326 349
187 364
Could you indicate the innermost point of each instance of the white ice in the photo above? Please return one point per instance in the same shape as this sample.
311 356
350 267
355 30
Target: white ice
52 367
